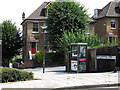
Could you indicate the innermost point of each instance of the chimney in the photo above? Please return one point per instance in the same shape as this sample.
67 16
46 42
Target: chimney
96 13
23 16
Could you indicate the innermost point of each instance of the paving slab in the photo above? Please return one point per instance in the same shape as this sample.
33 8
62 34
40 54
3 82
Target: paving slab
56 77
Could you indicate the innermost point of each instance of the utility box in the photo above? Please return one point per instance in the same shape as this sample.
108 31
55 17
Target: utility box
78 57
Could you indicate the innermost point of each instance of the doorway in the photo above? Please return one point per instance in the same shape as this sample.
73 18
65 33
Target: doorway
33 47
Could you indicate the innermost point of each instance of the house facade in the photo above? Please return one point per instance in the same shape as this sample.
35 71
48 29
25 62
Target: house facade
106 22
33 32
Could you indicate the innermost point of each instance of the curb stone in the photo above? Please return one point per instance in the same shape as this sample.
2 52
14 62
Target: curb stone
88 86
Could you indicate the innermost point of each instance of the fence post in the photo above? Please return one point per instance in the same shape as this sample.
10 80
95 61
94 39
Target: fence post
92 61
67 61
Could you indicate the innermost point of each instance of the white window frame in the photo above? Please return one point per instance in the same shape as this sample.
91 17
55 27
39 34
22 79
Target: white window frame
38 28
113 21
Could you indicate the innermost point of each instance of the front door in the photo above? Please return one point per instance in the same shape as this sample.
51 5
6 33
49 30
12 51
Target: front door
33 47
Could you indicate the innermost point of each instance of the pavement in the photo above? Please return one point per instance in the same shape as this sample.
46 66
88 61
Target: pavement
56 77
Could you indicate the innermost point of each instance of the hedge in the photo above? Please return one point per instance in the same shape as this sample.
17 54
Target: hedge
12 75
55 57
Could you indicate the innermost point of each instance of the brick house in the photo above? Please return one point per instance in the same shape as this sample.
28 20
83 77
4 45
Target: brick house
33 33
106 22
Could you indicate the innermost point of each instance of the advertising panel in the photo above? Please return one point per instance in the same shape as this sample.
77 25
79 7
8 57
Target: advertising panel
73 65
82 66
82 58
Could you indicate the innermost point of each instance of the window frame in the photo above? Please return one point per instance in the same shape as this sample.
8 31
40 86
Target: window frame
113 21
42 13
33 45
36 27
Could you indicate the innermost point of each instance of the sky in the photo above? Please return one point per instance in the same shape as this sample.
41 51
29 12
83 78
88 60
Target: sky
13 9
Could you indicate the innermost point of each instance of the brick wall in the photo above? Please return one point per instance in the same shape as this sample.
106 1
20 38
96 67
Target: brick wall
27 64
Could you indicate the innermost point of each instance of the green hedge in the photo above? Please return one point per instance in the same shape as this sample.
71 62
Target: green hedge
12 75
55 57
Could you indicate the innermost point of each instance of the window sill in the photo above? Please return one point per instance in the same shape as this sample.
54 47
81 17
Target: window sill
35 32
113 28
45 32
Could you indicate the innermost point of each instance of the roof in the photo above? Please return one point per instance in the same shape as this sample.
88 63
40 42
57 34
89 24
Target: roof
36 15
32 39
109 10
91 20
37 12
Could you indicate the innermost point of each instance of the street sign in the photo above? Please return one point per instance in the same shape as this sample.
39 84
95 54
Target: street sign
106 57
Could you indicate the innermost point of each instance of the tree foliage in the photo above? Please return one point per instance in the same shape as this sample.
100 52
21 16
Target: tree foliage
64 16
93 40
79 37
11 41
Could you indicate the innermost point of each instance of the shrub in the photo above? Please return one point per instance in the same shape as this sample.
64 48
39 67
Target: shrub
12 75
55 57
16 58
49 56
39 56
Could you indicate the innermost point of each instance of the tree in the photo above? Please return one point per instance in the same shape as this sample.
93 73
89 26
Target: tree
79 37
64 16
11 41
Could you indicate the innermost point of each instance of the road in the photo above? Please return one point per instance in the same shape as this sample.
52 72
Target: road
56 77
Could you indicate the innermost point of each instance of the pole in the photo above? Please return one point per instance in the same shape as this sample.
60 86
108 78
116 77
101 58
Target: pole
43 51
